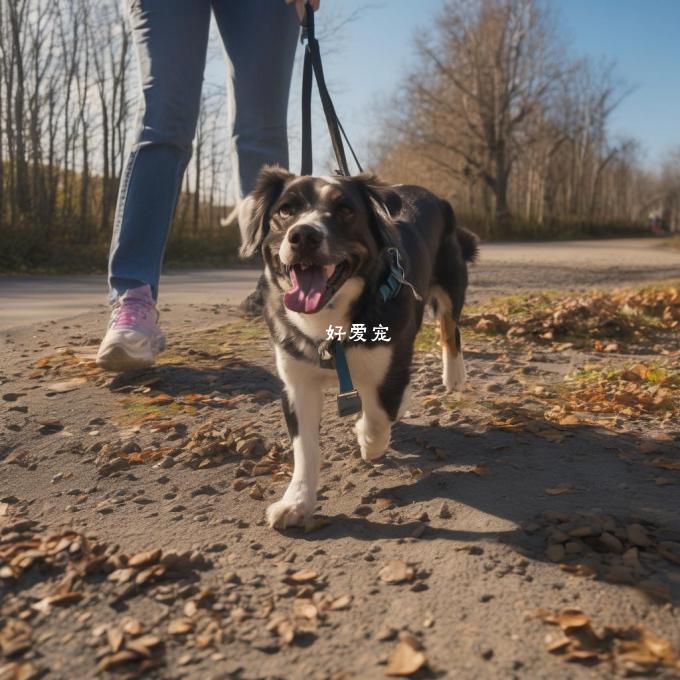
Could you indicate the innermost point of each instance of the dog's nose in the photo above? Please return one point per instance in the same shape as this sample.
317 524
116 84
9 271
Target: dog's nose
304 238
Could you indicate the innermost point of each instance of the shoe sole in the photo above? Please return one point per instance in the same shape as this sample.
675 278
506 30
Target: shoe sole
117 359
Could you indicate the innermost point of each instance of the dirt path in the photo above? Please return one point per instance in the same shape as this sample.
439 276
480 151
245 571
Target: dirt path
488 508
504 268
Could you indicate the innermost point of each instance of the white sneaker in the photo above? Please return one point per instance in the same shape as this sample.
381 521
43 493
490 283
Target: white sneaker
133 339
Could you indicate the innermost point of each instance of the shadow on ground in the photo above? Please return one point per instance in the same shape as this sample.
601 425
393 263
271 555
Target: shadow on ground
603 476
235 378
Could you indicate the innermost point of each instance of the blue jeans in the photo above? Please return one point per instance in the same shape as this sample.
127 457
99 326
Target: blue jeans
171 38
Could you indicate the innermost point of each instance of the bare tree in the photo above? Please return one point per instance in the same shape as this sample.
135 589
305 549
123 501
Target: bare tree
498 116
480 85
67 108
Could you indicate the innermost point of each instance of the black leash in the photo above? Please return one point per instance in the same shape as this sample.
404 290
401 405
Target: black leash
332 352
314 68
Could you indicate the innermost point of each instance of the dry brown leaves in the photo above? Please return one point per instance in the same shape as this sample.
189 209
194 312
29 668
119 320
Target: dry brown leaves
632 650
128 644
600 319
73 370
210 445
639 390
632 553
511 418
310 607
23 546
16 637
63 566
22 670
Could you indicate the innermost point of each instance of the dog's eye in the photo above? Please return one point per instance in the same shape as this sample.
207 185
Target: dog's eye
344 211
286 210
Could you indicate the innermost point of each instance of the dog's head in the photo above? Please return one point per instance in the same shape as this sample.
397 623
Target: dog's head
315 233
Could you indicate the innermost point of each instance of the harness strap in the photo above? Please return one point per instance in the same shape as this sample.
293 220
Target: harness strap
395 278
332 356
348 398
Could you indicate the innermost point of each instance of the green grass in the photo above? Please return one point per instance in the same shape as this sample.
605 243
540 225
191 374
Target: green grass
655 374
139 407
426 340
673 243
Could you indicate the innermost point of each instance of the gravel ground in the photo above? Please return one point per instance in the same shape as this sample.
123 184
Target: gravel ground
432 563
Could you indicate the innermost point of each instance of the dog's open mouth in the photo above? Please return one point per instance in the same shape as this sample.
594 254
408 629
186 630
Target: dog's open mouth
314 285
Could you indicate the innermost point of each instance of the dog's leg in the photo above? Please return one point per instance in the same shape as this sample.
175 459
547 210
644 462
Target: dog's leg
382 379
373 428
302 400
406 399
453 367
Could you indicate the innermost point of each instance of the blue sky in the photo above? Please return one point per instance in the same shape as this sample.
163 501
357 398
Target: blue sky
367 58
641 36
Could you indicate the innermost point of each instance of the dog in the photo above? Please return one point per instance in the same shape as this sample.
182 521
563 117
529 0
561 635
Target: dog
329 245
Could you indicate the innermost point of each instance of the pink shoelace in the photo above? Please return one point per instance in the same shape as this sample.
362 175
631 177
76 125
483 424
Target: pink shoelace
130 311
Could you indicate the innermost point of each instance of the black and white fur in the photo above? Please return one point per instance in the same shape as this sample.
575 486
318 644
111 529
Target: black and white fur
338 219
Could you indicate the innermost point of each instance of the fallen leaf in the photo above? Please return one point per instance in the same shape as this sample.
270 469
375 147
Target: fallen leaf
396 572
132 627
161 400
558 644
579 569
67 385
305 609
342 602
632 649
118 659
286 631
304 576
65 599
569 420
572 618
115 639
405 660
560 489
144 559
180 627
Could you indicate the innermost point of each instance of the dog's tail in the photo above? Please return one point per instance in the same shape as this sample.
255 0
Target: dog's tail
469 243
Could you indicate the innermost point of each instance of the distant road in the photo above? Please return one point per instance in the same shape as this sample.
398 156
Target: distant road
502 269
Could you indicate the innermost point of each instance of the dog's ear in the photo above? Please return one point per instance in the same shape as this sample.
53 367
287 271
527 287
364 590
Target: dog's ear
382 202
253 215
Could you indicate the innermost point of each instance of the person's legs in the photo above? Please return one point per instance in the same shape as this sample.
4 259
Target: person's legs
171 38
260 37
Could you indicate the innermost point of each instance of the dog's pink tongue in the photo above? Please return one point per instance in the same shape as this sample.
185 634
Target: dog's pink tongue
308 288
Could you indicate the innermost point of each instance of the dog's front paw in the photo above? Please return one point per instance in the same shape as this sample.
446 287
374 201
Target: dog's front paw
283 514
294 509
371 443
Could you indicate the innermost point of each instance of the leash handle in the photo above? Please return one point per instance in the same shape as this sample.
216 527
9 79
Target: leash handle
307 21
313 68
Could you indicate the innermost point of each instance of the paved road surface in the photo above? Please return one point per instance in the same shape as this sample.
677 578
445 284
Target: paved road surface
503 268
